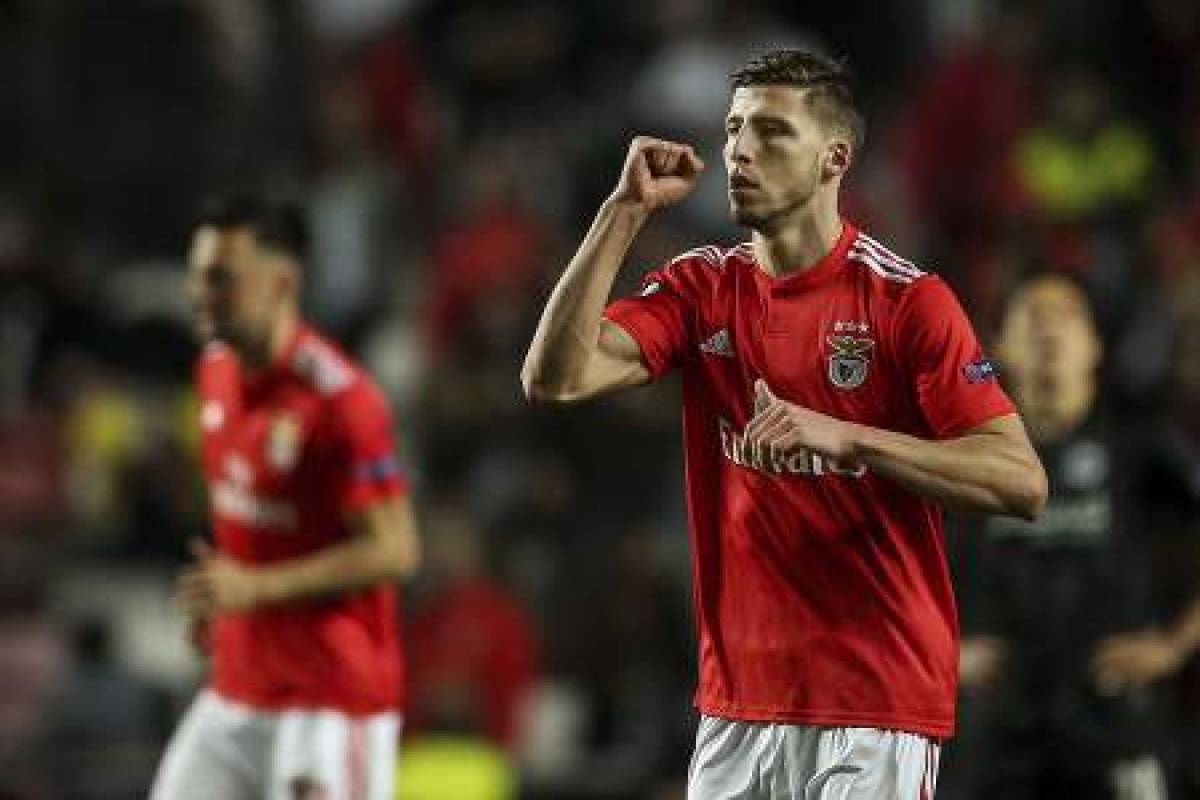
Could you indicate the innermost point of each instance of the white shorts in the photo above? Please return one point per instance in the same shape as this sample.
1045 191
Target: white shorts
764 761
227 751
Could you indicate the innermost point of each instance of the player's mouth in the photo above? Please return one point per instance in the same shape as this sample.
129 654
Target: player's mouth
739 183
208 325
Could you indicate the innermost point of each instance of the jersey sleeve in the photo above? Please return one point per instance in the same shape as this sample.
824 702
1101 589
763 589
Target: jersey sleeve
956 385
368 469
659 316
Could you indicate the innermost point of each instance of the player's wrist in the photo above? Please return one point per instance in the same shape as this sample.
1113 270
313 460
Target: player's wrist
266 587
857 440
629 209
1182 642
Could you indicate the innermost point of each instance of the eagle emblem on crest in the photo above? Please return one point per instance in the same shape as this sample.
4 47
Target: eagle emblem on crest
849 360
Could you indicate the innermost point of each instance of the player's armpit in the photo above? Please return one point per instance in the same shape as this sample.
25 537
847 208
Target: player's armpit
390 525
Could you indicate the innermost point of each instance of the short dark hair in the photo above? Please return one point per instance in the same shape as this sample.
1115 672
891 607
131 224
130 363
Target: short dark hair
278 224
831 97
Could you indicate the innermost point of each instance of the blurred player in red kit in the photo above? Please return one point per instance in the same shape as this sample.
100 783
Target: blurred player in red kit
834 397
312 525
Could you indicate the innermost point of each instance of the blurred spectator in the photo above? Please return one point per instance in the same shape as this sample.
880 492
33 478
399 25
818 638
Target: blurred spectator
634 667
31 472
109 725
357 216
1084 160
34 667
1041 715
1170 495
473 653
958 129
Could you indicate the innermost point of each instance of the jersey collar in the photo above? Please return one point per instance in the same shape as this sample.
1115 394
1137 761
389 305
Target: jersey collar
818 272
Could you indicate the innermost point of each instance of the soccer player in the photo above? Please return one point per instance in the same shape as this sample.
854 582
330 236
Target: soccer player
1045 714
312 526
834 397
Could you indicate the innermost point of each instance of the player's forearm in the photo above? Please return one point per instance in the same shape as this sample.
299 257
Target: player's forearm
568 333
353 565
979 472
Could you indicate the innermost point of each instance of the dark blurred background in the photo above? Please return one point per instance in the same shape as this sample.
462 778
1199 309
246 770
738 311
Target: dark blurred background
451 153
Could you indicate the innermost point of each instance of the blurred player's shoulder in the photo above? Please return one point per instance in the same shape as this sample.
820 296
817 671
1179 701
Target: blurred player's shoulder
324 366
216 361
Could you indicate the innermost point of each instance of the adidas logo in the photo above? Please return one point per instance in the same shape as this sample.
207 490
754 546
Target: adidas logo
719 344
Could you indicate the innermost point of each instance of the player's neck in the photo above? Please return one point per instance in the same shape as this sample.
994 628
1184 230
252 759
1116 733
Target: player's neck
800 243
1054 409
263 354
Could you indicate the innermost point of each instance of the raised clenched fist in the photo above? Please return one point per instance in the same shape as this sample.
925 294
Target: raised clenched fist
657 173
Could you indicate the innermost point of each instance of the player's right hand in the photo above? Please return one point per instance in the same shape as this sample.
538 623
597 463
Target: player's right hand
657 173
1134 660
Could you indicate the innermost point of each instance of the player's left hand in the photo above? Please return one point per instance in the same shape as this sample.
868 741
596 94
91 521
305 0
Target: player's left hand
1132 660
783 428
215 583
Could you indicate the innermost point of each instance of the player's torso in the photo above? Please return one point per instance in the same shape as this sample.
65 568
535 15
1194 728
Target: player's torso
265 453
273 461
824 344
820 586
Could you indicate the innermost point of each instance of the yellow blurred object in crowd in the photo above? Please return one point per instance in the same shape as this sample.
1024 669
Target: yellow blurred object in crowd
1075 178
440 767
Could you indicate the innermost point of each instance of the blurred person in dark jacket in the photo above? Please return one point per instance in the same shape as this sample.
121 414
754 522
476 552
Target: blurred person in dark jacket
1056 701
1169 490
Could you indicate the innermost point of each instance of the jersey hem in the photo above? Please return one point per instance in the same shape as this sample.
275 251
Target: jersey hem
924 726
311 704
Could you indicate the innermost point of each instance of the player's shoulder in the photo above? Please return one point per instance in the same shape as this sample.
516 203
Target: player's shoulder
889 271
324 367
215 361
214 354
700 267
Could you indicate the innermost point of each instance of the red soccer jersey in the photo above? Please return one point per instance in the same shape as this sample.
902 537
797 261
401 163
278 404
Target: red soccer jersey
288 453
822 592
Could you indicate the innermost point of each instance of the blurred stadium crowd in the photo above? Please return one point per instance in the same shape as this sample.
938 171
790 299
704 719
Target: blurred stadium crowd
451 153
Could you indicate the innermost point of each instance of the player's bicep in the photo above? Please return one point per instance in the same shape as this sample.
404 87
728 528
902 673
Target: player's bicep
390 525
615 363
645 336
619 361
1006 430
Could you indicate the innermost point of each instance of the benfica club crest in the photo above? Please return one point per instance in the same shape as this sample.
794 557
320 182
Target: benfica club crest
283 442
849 360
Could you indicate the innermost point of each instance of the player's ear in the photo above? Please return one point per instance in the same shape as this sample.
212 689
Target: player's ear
837 159
284 275
289 276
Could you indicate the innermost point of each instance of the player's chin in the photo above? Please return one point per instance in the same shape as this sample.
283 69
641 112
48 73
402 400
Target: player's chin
206 330
746 216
